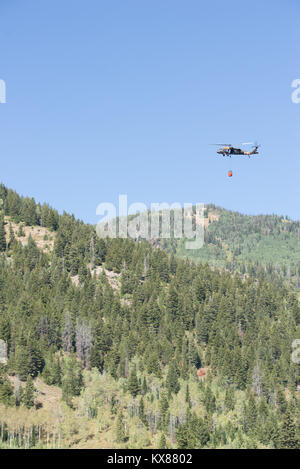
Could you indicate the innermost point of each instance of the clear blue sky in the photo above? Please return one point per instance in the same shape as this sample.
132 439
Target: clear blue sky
123 97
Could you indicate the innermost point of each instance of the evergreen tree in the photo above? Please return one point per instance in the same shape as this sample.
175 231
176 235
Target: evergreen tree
163 442
288 432
209 400
28 397
142 412
133 384
229 398
120 428
71 380
144 386
250 414
2 236
153 365
183 436
6 390
11 235
172 383
21 232
187 396
163 415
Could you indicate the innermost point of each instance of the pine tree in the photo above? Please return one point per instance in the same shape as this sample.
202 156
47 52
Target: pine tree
153 365
172 303
288 436
250 414
209 400
202 433
163 442
172 383
22 362
120 428
133 384
6 390
144 386
187 396
229 398
28 397
71 380
21 232
57 373
2 236
11 235
127 285
281 401
163 408
183 436
142 412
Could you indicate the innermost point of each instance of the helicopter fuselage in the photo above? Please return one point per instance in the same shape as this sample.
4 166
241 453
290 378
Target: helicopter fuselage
229 151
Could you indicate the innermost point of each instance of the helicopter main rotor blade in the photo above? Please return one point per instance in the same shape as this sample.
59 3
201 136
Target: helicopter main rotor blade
255 144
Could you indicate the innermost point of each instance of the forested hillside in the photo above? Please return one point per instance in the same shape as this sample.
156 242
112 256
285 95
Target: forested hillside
114 343
267 246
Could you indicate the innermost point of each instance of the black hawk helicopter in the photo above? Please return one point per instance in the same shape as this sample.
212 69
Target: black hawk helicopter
228 150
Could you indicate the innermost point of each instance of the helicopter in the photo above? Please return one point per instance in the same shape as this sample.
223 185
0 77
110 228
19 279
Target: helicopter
228 150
